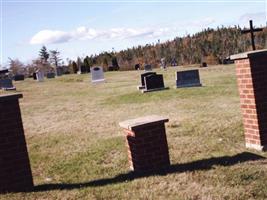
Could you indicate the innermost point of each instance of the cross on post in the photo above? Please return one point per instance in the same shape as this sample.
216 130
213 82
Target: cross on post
251 31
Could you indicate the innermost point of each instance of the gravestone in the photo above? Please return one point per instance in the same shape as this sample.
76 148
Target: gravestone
19 77
34 76
148 68
163 63
39 75
188 78
6 84
173 62
59 71
50 75
204 64
137 67
154 82
97 74
142 86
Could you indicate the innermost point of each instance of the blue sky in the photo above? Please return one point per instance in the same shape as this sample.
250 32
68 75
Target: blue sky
80 28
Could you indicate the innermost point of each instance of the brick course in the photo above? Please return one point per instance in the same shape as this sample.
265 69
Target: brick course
15 171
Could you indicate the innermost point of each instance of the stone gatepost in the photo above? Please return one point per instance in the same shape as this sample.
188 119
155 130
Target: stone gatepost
147 143
15 170
251 71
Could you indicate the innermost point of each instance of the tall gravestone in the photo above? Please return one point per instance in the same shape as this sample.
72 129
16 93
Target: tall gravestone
39 75
188 78
97 74
251 72
15 170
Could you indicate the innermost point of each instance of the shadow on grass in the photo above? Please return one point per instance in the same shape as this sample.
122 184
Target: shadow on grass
204 164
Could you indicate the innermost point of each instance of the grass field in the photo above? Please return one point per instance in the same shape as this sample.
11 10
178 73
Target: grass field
77 149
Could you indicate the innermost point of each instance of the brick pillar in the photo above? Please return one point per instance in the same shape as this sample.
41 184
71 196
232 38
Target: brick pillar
147 143
251 71
15 171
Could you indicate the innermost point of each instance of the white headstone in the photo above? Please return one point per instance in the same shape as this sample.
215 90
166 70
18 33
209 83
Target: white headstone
97 74
39 75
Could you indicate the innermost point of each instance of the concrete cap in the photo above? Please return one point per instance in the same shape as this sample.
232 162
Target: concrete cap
134 123
8 97
248 54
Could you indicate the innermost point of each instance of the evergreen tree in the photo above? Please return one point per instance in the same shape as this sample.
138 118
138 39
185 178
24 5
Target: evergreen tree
44 55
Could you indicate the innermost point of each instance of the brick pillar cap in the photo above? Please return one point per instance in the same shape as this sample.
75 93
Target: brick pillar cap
248 54
134 123
8 97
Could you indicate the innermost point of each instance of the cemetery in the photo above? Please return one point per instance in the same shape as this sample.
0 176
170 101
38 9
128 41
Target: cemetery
83 140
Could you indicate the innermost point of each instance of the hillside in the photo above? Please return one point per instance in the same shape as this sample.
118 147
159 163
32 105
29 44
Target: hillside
211 46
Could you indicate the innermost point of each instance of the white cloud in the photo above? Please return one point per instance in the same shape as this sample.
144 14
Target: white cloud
84 33
50 36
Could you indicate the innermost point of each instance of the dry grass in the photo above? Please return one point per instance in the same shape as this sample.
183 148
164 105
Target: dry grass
73 137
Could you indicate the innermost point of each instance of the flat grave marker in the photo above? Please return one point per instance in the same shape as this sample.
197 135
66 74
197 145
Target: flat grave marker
50 75
148 68
6 84
19 77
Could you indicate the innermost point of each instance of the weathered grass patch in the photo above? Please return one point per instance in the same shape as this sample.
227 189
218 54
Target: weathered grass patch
77 150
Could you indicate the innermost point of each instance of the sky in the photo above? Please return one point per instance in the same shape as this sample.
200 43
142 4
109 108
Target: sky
84 27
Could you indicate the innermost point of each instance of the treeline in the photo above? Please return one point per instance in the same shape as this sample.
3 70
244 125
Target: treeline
210 45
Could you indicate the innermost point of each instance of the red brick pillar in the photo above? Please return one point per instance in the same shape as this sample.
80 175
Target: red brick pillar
251 70
147 143
15 171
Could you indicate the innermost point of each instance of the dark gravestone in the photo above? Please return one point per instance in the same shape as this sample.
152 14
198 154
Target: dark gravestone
187 79
34 76
110 68
142 86
148 68
6 84
19 77
204 64
154 82
83 69
137 67
59 71
50 75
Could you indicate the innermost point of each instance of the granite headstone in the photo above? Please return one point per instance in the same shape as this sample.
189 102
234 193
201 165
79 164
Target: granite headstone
188 78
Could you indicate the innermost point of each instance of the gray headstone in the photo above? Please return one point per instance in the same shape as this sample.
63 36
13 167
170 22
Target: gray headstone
97 74
148 68
187 78
154 82
6 84
59 71
40 75
50 75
